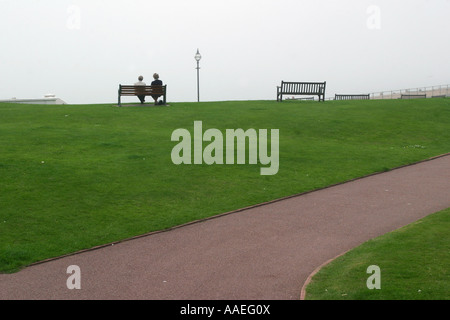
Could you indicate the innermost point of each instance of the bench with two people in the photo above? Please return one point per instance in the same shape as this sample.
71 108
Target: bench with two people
142 90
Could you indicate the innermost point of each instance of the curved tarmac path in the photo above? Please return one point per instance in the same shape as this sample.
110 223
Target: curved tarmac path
264 252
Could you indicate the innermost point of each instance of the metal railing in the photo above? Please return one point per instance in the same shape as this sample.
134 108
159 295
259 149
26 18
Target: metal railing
429 92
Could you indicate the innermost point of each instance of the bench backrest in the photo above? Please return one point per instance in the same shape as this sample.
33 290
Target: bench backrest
413 96
352 97
303 87
131 90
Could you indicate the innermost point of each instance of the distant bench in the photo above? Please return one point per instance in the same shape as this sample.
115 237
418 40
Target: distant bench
352 97
413 96
301 88
154 91
441 96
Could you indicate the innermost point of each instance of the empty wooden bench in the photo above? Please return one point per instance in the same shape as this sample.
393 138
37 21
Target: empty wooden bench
352 97
301 88
154 91
413 96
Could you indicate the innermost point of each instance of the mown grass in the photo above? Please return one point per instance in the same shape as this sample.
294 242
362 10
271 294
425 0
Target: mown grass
413 264
77 176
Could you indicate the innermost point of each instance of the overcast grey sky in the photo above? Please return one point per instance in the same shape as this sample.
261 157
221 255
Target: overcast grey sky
81 50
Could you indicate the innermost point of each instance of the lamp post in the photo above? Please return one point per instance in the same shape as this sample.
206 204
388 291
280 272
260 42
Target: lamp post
198 57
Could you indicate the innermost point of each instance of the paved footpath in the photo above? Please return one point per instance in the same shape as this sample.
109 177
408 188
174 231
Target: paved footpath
261 253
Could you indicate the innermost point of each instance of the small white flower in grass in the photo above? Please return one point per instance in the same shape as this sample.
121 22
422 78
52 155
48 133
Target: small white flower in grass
42 162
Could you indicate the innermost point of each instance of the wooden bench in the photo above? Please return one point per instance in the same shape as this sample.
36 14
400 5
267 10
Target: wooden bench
132 90
301 88
413 96
352 97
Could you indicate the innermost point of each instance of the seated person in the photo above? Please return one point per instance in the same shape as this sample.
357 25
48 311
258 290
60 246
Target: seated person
156 82
140 83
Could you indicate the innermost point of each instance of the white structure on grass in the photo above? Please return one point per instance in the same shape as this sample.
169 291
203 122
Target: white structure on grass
47 99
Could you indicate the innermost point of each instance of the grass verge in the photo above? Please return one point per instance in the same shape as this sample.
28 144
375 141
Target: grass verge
413 264
77 176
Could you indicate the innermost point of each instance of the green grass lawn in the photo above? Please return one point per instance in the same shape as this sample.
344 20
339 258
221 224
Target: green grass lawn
414 265
77 176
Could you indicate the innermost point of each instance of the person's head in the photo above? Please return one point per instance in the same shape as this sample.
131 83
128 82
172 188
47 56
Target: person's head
141 78
156 76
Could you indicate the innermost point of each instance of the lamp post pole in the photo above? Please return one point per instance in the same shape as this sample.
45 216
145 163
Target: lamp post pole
198 57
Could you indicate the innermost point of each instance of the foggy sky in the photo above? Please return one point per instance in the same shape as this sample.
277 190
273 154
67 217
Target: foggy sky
82 50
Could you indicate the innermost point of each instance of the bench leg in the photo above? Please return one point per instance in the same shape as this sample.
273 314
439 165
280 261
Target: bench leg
279 97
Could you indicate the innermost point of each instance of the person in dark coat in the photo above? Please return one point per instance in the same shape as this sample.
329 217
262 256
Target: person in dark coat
156 82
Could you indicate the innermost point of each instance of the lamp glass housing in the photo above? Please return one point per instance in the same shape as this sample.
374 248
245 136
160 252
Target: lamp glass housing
198 56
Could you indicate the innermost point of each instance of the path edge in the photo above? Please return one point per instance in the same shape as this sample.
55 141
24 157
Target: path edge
309 279
323 265
229 213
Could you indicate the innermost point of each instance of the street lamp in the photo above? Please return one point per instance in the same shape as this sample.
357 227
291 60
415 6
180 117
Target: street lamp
198 57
